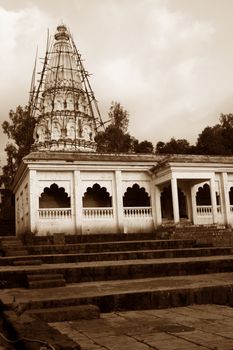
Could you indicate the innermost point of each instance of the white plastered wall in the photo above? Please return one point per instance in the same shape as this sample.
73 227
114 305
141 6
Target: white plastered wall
22 206
142 179
47 226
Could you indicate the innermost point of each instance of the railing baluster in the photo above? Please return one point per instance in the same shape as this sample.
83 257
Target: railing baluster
51 214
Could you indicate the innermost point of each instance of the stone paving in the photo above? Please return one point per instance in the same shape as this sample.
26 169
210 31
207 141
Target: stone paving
196 327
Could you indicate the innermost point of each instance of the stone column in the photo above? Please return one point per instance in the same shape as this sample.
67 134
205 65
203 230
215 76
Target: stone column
119 210
225 199
78 205
188 203
33 200
175 203
194 205
213 199
156 208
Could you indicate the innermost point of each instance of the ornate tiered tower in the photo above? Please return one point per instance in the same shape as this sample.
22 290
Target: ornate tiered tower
63 103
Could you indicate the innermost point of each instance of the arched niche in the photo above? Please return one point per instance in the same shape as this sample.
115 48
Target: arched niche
54 197
136 196
203 195
96 196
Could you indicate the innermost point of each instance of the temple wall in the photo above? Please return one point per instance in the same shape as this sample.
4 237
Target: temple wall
90 197
22 209
50 215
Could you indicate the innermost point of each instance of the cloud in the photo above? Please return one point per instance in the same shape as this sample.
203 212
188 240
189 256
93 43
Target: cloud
20 31
160 69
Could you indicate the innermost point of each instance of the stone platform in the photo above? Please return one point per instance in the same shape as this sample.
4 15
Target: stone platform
196 327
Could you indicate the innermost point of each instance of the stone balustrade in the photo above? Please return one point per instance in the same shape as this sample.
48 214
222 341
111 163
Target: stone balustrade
57 213
97 213
206 210
137 212
203 210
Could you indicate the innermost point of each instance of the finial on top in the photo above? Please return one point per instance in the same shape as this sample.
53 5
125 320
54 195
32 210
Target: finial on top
62 33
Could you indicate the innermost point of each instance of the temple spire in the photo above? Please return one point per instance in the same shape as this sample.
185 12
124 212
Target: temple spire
64 103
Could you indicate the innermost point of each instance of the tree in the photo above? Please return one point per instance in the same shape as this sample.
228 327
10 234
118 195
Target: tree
211 141
143 147
218 139
20 131
180 146
115 138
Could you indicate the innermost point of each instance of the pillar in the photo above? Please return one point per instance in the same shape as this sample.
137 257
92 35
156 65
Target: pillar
188 203
194 205
78 205
225 199
175 203
156 208
213 200
119 202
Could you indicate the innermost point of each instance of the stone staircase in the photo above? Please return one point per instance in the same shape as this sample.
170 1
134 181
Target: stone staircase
113 272
14 252
12 246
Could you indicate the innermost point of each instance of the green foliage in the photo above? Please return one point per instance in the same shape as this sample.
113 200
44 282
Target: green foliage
20 130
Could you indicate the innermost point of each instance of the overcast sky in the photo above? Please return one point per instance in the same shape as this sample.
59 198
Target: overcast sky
168 62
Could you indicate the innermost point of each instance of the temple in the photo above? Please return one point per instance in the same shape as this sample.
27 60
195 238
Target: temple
64 185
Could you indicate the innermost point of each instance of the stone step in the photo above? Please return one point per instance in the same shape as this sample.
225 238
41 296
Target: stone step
15 252
44 277
146 293
25 262
15 276
66 313
111 256
93 238
132 255
110 246
45 280
134 269
46 284
9 238
11 243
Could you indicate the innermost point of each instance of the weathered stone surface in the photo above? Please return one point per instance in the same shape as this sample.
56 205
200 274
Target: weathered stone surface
68 313
35 333
186 328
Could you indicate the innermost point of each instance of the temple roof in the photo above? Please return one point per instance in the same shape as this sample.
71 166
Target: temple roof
159 159
64 104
